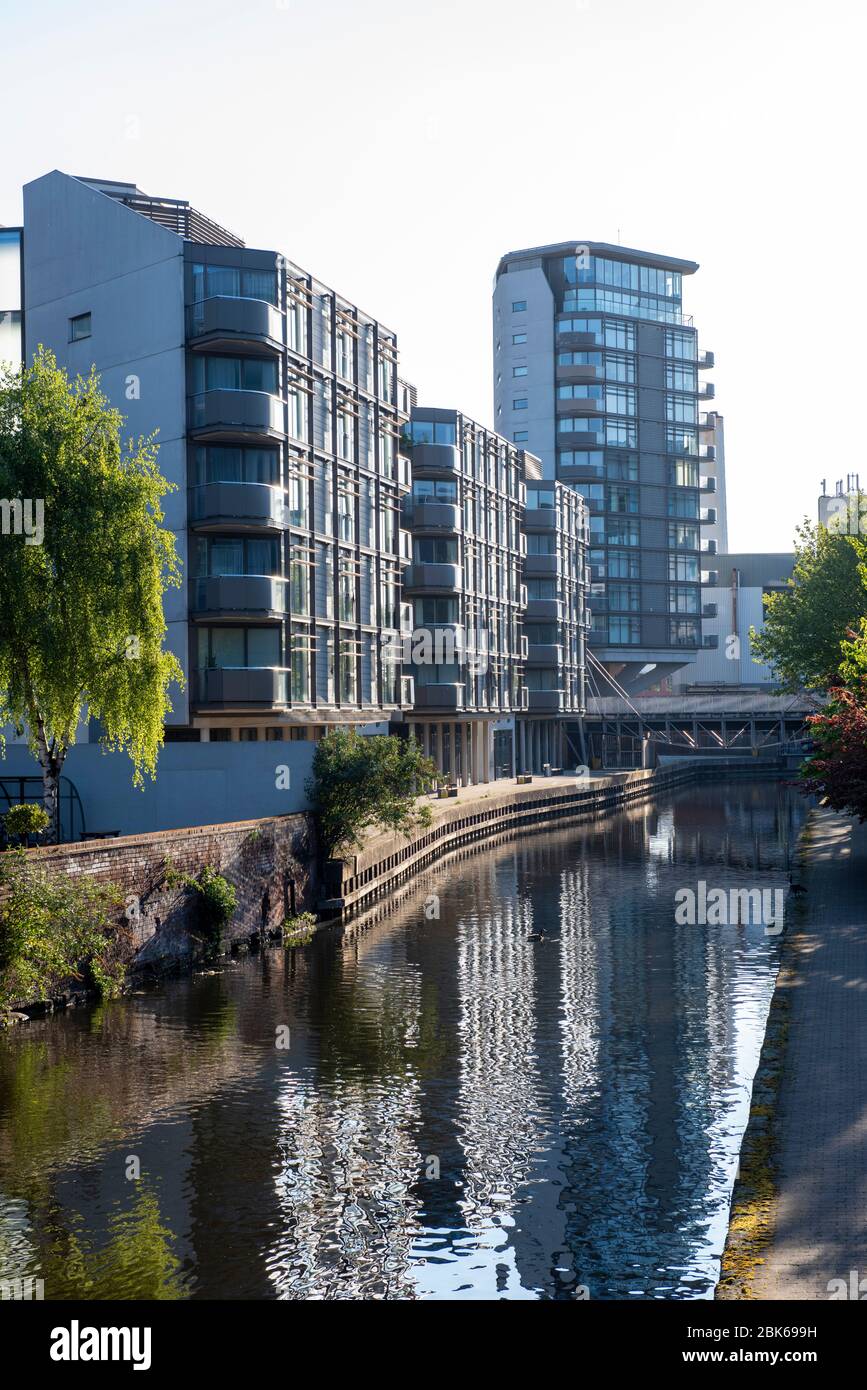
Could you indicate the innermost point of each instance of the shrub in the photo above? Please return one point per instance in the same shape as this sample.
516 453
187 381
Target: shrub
362 782
218 902
25 819
54 929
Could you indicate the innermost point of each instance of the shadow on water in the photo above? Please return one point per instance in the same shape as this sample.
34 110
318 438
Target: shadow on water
462 1110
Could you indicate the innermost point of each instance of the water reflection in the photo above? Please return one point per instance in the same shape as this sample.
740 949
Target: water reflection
463 1111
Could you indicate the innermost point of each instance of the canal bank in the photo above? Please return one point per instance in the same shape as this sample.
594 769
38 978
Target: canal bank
797 1227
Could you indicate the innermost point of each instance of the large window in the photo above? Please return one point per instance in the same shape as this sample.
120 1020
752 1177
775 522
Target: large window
683 568
619 367
235 374
679 439
218 556
625 597
429 432
435 490
235 282
623 564
622 499
579 391
680 377
222 463
620 400
681 409
219 647
624 631
682 599
622 530
588 459
681 345
683 504
682 535
435 550
683 632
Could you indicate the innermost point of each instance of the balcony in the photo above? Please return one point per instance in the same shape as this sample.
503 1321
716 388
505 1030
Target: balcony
259 686
707 421
247 506
710 578
433 578
231 415
575 371
231 323
707 516
707 484
577 341
705 360
708 547
540 565
545 701
540 519
249 595
707 452
543 610
547 654
580 405
444 697
435 458
706 390
432 516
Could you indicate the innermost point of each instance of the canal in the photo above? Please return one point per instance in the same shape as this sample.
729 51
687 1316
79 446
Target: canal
443 1107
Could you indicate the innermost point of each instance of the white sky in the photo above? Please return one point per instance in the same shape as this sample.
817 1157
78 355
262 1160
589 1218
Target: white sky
397 149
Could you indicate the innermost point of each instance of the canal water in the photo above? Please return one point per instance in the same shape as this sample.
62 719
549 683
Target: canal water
442 1108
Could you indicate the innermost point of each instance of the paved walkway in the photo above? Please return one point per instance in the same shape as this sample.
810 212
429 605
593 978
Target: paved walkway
821 1211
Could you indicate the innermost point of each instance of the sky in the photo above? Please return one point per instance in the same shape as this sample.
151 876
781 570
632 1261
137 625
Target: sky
397 149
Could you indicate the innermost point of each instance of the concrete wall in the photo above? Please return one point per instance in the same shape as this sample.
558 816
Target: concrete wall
86 253
196 784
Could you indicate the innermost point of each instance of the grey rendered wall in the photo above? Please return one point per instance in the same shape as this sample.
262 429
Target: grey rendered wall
84 252
537 354
196 784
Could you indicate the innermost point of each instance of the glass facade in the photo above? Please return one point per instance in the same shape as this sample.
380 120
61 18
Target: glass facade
11 342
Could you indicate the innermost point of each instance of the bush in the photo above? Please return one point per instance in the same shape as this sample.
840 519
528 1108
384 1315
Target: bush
218 902
362 782
26 819
54 929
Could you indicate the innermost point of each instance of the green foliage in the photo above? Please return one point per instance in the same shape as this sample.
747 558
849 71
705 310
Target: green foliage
826 600
361 782
81 614
218 898
25 819
54 928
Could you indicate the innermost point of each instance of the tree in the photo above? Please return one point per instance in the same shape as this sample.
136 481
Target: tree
359 782
837 767
81 595
807 622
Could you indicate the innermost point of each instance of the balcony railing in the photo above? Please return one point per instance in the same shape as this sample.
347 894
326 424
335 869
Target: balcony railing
257 506
256 594
222 411
242 685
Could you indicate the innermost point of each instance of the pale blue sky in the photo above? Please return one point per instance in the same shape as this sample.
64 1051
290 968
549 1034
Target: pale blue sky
396 149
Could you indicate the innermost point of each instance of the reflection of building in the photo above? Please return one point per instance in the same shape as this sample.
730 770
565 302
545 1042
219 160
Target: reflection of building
597 370
278 407
497 585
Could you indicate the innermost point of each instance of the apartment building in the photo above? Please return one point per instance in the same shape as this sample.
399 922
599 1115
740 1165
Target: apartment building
497 586
279 410
597 370
11 273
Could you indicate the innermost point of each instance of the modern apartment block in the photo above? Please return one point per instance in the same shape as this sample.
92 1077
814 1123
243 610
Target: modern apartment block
279 411
497 588
597 371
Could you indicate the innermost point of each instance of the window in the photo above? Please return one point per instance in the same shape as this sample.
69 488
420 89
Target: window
519 306
79 327
221 556
429 432
681 409
624 631
683 632
682 535
238 646
234 283
681 345
519 371
683 504
622 530
440 490
221 463
430 550
620 400
520 404
518 339
541 588
683 567
521 436
622 499
623 467
590 460
682 599
683 473
622 564
619 367
234 374
679 377
626 597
